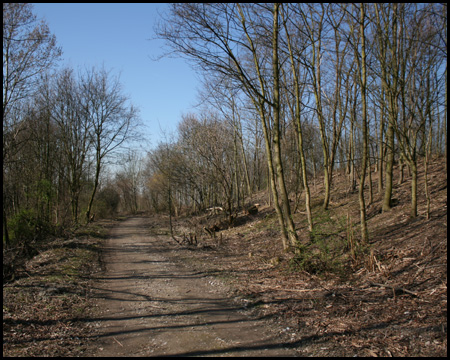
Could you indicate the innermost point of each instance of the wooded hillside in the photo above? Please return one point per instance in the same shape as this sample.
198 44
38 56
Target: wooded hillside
298 90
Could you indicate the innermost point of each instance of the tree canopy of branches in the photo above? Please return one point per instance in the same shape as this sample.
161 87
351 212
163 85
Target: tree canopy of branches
364 83
59 129
29 49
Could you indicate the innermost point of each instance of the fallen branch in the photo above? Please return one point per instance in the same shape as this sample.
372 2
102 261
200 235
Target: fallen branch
395 289
277 288
117 341
296 290
178 242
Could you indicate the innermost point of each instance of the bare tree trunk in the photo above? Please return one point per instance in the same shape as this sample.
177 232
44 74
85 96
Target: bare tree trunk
389 168
362 205
272 181
277 175
425 160
94 190
413 212
292 234
299 131
380 144
316 47
391 93
370 176
5 228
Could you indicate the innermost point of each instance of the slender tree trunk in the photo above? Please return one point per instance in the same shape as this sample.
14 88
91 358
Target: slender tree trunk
273 155
300 133
392 97
5 228
317 88
380 144
427 154
445 122
94 190
292 234
389 168
352 143
326 177
413 167
74 192
272 182
362 205
169 201
241 142
370 177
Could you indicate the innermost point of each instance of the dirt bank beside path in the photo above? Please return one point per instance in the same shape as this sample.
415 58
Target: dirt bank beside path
151 305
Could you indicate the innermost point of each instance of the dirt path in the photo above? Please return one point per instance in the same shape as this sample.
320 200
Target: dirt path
150 305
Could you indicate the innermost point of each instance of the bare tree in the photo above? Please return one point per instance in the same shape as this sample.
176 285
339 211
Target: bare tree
75 132
363 78
210 140
313 21
28 50
112 119
223 97
212 35
362 84
129 181
296 52
386 30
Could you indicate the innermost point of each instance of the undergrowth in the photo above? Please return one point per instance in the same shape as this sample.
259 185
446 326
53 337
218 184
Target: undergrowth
331 247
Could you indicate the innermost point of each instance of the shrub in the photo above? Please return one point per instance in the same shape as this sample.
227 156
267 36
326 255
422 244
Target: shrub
27 227
314 260
107 202
23 226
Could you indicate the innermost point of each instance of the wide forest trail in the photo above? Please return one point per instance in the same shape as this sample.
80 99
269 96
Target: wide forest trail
151 305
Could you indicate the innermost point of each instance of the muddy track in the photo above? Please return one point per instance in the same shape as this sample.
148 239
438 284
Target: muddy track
151 305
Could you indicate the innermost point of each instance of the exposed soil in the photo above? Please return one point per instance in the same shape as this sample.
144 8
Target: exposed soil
150 304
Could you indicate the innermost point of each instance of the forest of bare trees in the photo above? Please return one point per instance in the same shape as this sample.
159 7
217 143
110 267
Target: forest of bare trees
290 92
293 90
59 127
304 196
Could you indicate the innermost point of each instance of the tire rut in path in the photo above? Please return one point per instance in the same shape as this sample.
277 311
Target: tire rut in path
152 306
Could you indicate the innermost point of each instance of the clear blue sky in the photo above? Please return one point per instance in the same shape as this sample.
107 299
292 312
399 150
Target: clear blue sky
116 35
